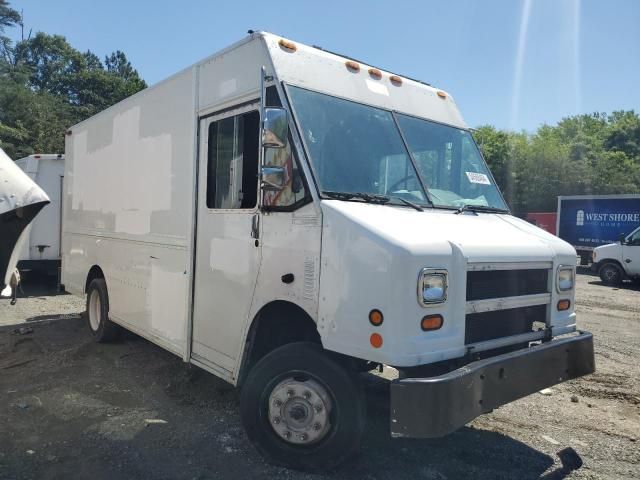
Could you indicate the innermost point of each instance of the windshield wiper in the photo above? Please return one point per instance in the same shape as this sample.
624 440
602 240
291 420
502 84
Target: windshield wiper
480 208
371 198
407 202
338 195
384 199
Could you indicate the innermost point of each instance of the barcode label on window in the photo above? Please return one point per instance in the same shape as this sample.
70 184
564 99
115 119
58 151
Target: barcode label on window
478 178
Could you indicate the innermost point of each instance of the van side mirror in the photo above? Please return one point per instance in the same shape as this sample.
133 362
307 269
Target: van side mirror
275 128
273 178
622 238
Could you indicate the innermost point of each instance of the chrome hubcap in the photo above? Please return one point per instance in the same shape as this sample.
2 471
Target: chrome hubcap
94 310
299 411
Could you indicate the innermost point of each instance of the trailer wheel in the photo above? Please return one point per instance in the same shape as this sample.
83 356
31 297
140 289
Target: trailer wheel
301 409
611 274
103 329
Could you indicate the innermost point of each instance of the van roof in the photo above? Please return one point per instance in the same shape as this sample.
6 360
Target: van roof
317 69
327 72
45 156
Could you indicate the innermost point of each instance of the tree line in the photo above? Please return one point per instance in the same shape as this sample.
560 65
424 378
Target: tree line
46 86
587 154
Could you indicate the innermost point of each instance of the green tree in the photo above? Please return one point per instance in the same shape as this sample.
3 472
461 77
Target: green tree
8 18
583 154
81 79
496 148
46 86
623 134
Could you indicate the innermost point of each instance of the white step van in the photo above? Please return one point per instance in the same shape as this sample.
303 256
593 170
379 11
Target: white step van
41 250
286 218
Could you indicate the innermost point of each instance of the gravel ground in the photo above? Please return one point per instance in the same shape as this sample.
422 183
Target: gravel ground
70 408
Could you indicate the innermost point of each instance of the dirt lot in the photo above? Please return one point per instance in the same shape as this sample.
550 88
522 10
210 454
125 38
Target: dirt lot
72 409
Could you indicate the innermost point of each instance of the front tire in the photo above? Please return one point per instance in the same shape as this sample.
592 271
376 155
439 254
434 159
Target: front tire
301 409
611 274
102 329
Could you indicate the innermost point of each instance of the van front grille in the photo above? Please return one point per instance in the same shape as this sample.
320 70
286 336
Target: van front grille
485 284
480 327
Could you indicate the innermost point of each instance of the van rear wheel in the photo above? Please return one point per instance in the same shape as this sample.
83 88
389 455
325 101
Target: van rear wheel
611 274
102 329
301 409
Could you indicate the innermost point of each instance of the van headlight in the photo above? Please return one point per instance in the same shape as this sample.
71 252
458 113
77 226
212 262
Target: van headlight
432 286
565 278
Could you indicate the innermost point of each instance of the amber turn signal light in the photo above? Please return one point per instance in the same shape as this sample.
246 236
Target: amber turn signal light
376 340
563 305
431 322
375 317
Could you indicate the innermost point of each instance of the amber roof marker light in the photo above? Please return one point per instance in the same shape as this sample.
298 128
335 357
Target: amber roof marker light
441 94
396 80
353 67
375 73
287 45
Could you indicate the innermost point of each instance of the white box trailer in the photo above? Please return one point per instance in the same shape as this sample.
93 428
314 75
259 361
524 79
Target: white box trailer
42 249
285 217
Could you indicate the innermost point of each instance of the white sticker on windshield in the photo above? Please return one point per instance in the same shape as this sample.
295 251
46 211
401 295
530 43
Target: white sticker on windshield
478 178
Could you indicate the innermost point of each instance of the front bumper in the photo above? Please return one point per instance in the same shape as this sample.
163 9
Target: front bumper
437 406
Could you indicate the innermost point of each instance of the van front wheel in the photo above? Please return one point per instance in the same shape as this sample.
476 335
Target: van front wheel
301 409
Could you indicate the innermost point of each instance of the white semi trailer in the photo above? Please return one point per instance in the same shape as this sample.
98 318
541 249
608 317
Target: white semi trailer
285 217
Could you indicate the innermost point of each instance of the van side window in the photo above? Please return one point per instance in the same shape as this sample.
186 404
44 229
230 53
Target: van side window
232 163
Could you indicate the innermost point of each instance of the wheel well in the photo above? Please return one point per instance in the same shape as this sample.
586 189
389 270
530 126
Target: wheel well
610 260
94 272
276 324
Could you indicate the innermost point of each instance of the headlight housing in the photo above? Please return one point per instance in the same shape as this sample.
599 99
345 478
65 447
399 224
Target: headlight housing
565 278
432 286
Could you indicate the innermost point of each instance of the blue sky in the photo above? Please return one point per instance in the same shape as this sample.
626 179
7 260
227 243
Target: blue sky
512 63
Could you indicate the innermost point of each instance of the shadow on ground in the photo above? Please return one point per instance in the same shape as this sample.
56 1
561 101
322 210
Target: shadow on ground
72 408
595 280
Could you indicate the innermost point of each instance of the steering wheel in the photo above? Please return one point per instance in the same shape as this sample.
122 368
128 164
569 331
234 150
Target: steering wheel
393 187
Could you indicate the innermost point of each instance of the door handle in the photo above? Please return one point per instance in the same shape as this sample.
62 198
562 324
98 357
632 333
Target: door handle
255 226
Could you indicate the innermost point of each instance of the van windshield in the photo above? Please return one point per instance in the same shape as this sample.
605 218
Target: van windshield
357 148
450 163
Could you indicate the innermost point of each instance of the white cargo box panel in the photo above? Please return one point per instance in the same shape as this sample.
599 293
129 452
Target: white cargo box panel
129 192
128 207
